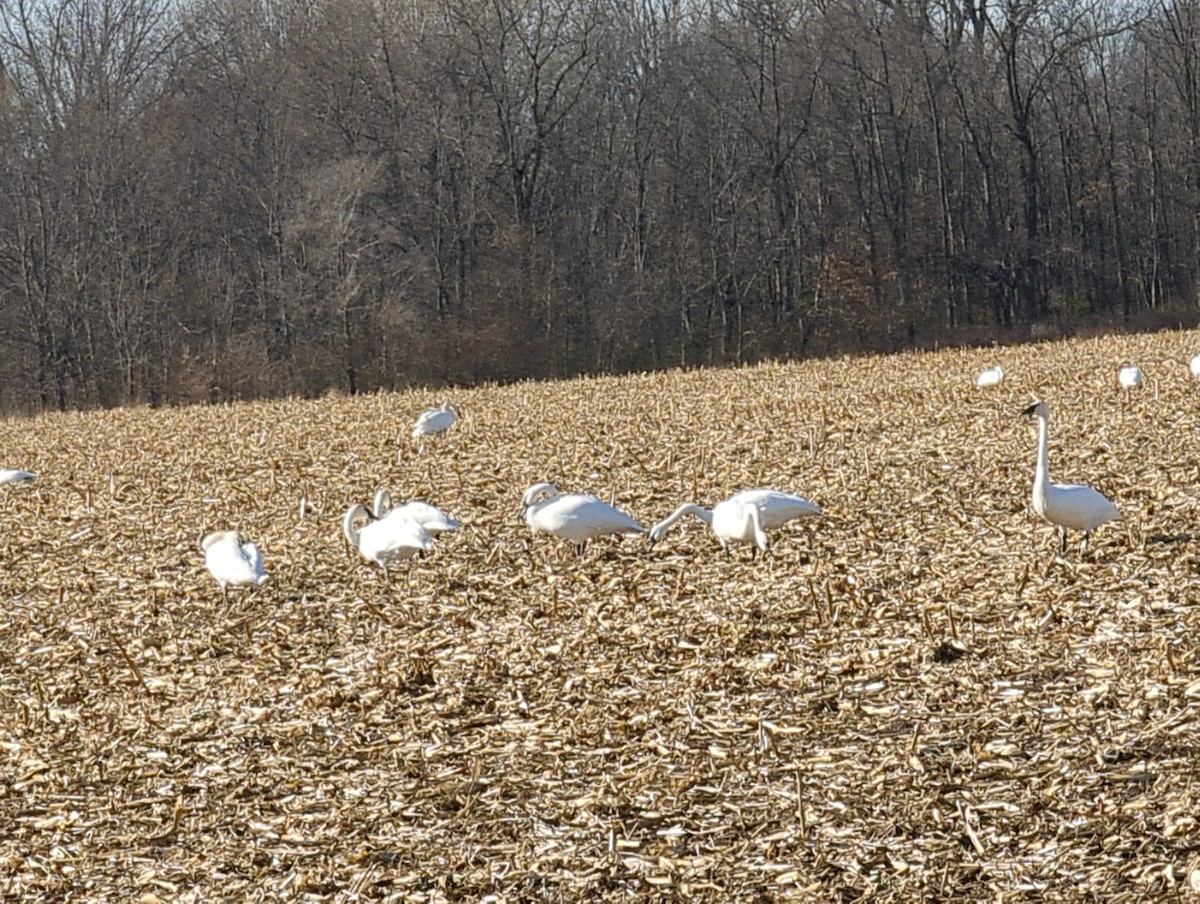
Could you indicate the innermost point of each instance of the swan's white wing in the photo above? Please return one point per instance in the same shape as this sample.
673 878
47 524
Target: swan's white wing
430 517
433 420
579 518
15 475
1078 507
777 508
421 425
394 537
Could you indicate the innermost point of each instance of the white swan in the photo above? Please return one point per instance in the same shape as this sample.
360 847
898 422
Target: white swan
231 561
744 517
1194 366
15 475
393 538
433 421
1069 506
573 517
1130 376
993 376
430 517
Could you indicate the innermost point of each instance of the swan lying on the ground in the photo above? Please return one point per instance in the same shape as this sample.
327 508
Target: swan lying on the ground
1130 376
993 376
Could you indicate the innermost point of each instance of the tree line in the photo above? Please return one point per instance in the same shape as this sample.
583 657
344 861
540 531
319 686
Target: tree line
209 199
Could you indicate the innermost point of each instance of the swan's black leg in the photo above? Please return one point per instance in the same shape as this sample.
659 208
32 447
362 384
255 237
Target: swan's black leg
1063 546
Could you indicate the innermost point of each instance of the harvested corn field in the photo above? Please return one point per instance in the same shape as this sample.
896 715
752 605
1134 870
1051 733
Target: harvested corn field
913 697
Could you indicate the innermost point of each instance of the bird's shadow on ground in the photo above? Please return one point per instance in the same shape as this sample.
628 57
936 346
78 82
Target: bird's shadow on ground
1168 539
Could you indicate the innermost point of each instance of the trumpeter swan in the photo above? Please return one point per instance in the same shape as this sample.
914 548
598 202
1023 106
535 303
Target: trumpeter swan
430 517
1069 506
744 517
573 517
393 538
993 376
231 561
1130 376
433 421
1194 366
15 475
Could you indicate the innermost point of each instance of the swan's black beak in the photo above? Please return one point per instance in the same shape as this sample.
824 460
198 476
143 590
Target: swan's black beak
1031 410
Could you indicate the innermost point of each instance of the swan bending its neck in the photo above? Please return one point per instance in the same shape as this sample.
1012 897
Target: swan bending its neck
394 537
658 531
744 517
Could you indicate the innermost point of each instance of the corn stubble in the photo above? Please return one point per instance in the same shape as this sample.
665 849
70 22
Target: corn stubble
911 698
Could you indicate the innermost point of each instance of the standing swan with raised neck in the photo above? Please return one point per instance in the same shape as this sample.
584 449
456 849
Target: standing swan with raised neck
1068 506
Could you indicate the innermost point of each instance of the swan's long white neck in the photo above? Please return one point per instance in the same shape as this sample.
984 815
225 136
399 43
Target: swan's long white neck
658 531
381 504
688 508
1041 477
533 509
348 527
754 516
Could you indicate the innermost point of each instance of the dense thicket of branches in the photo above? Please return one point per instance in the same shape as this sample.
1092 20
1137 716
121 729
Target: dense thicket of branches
238 197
